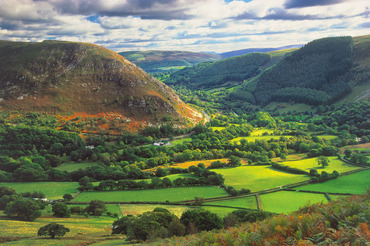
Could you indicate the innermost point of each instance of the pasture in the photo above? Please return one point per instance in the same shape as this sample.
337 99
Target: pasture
260 131
179 141
246 202
254 138
311 163
70 167
258 178
155 195
136 209
356 183
52 190
288 201
78 226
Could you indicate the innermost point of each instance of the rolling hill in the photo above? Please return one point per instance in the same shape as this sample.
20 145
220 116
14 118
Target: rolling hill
226 72
68 77
255 50
162 61
322 72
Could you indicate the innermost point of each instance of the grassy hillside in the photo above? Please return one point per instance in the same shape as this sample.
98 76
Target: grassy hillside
310 75
159 61
229 71
68 77
323 71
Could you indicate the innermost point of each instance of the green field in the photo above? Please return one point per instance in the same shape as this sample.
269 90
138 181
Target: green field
160 195
356 183
70 167
220 211
334 164
173 177
286 107
179 141
78 226
327 137
217 128
254 138
288 201
136 209
260 131
257 178
247 202
52 190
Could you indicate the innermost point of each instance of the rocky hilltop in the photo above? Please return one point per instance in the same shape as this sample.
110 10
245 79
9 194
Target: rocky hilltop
68 77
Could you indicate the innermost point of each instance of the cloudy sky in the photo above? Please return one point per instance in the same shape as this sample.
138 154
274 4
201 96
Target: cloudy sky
193 25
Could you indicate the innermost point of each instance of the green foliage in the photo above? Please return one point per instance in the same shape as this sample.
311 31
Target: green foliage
60 210
211 74
203 220
309 75
323 161
53 229
96 207
23 209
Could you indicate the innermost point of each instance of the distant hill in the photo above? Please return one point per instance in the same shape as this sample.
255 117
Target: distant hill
323 71
255 50
68 77
153 61
225 72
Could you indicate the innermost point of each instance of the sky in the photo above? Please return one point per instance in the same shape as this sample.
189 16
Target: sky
191 25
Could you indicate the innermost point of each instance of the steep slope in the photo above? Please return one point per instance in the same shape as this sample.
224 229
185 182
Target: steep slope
68 77
225 72
323 71
158 61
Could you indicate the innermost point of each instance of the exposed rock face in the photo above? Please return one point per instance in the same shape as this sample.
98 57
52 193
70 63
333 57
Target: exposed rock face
69 77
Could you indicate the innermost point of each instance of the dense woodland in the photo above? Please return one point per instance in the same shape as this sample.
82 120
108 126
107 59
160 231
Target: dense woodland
230 71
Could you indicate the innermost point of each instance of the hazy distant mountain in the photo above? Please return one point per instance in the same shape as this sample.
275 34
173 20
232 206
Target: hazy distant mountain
159 60
254 50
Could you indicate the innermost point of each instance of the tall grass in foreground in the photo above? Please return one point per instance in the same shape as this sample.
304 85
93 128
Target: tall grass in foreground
343 222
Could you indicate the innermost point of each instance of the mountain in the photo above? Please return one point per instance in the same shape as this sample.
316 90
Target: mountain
255 50
68 77
321 72
227 72
162 61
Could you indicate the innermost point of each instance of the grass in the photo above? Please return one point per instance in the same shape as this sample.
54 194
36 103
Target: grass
257 178
220 211
155 195
78 226
136 209
254 138
173 177
327 137
195 163
293 157
52 190
218 128
70 167
356 183
260 131
334 164
247 202
286 107
179 141
288 201
47 241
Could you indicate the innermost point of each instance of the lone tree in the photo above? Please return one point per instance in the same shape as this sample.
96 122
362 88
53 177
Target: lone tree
53 229
323 161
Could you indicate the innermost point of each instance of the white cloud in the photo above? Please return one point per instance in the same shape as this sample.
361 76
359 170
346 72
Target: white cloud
207 25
